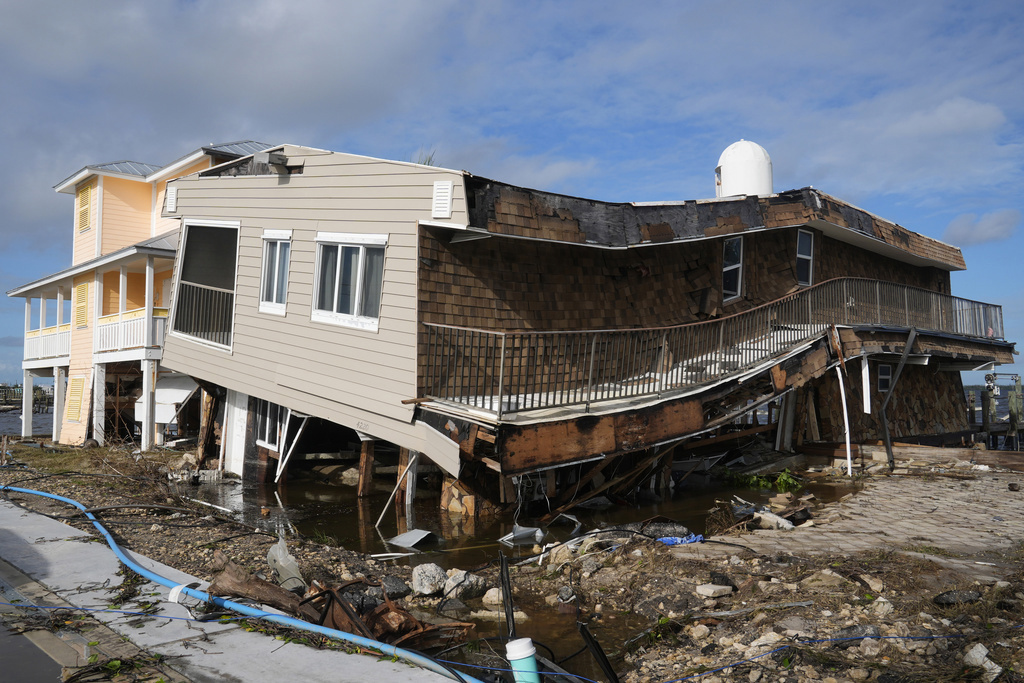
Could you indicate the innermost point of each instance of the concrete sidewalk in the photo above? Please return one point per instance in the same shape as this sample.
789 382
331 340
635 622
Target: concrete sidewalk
46 562
969 525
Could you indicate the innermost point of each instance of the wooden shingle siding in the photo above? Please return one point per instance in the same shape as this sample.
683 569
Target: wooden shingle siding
354 377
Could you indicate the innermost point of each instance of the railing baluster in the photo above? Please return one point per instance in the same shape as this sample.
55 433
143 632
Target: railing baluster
540 370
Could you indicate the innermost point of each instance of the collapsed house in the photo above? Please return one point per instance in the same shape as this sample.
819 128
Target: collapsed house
330 302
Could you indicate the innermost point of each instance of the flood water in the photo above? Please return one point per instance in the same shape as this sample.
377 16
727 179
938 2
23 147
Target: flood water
334 514
10 423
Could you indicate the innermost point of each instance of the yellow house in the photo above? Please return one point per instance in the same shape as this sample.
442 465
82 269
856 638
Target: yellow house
98 327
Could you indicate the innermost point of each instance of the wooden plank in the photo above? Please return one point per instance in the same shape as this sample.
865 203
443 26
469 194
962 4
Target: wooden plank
365 468
731 436
542 445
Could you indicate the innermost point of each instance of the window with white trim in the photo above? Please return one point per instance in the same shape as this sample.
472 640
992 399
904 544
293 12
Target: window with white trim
269 417
732 268
804 257
274 284
349 279
884 378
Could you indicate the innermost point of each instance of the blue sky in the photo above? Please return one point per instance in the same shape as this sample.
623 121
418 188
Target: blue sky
910 110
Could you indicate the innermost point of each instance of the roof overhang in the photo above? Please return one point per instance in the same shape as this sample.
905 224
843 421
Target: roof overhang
172 168
873 244
68 186
120 257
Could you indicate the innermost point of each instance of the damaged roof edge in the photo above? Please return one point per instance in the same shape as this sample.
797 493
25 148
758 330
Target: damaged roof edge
503 209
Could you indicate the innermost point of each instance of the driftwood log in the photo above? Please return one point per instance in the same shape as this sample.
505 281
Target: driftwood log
233 581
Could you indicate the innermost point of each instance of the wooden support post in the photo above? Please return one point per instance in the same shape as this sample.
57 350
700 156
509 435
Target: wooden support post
549 483
365 516
403 463
365 468
972 414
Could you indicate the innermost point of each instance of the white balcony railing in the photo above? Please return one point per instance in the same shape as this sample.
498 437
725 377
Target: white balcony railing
127 330
49 342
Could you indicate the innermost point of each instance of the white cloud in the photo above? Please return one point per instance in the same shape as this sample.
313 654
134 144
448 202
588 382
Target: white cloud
969 229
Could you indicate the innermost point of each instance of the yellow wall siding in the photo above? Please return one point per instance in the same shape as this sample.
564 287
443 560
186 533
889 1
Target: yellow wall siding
111 291
74 431
161 298
136 291
127 213
167 224
85 240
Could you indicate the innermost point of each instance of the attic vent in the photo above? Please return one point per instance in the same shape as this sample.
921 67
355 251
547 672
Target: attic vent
84 203
172 199
442 199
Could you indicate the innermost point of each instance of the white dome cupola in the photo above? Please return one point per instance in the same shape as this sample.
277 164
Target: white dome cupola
743 169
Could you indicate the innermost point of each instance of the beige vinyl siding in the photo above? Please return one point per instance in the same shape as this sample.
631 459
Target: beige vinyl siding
85 238
127 215
354 377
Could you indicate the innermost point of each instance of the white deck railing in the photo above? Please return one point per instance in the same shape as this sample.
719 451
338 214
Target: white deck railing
503 372
49 342
127 330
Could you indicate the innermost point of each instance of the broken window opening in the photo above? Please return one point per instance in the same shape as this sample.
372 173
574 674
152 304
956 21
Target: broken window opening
269 417
884 378
732 268
205 298
349 279
274 290
804 257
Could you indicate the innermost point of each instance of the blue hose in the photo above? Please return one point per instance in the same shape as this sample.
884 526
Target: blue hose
389 650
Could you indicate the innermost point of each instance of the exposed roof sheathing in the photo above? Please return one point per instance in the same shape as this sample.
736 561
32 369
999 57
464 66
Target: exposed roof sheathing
504 209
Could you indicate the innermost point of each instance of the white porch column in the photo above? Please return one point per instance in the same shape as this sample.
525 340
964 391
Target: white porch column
99 403
148 404
60 376
122 305
60 306
26 404
42 311
148 339
28 326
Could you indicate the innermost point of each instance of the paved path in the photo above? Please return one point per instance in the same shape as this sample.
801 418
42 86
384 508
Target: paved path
956 522
47 562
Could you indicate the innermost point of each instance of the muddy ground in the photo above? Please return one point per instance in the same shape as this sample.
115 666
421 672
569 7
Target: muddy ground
880 615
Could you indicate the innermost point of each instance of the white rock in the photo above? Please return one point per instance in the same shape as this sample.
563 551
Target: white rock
710 590
494 597
977 656
769 638
464 586
871 647
428 579
699 632
881 607
874 583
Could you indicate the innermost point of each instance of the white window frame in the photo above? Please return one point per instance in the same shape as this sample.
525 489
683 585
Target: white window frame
278 237
884 377
737 266
806 257
268 434
341 240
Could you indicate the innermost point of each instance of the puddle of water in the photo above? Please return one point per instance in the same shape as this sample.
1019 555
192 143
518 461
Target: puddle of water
335 514
323 511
